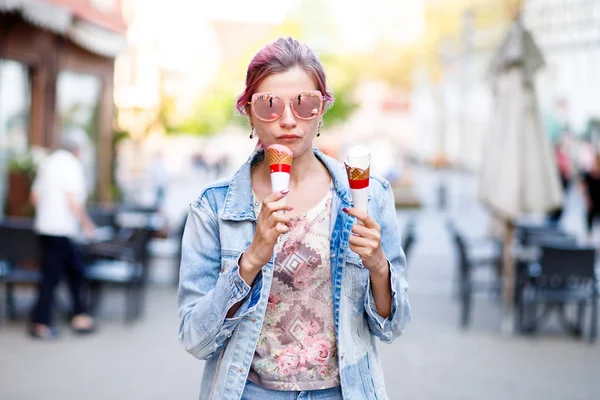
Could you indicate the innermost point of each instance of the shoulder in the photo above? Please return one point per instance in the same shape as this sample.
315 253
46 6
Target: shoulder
380 188
380 183
335 167
67 160
62 163
213 195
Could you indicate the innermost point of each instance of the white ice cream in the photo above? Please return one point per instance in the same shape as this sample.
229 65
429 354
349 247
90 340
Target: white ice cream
359 157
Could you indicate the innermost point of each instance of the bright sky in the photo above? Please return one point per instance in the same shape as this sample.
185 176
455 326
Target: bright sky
360 23
356 24
255 10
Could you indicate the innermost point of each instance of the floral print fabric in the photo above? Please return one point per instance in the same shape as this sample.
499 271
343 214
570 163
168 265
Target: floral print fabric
296 349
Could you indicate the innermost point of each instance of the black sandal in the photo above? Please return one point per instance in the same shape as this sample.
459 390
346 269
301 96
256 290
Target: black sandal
83 331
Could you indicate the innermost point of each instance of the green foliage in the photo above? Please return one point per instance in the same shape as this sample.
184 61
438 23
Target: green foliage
23 162
342 108
166 112
116 195
213 112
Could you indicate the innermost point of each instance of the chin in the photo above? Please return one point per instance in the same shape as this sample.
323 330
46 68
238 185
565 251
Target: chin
301 148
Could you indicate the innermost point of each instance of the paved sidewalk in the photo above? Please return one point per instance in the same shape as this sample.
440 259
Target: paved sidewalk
433 360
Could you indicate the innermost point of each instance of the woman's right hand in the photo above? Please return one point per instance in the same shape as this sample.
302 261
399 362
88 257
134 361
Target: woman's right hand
270 224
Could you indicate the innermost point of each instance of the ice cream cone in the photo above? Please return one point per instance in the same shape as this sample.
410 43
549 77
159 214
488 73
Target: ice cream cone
280 163
277 154
358 162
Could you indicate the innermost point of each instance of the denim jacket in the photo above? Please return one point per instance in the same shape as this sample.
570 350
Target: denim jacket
220 227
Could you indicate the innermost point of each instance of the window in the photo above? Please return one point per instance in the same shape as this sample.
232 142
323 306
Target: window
15 107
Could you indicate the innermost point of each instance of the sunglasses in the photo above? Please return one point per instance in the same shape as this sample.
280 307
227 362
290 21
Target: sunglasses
269 107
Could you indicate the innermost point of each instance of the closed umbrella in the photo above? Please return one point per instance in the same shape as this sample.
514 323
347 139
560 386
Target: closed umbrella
518 173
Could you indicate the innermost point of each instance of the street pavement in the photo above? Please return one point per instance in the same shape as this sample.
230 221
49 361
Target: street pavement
434 359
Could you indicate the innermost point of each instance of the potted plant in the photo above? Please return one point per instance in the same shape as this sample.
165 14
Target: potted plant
22 168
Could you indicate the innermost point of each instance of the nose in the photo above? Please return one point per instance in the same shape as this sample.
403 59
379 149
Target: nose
287 120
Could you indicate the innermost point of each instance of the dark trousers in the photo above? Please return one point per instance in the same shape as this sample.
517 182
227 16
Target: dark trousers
60 256
592 214
555 215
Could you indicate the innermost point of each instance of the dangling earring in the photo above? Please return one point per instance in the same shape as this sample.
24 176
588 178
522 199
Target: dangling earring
319 130
251 131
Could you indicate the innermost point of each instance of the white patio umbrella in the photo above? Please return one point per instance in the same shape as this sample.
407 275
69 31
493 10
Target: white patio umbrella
518 173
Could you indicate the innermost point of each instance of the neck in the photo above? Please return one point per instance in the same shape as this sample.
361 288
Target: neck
303 166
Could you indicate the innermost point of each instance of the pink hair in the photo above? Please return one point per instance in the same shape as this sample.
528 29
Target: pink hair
280 56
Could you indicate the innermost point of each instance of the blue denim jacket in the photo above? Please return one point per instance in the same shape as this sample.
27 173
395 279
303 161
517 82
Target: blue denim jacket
220 227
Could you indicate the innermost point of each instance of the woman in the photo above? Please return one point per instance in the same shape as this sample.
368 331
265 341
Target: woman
282 293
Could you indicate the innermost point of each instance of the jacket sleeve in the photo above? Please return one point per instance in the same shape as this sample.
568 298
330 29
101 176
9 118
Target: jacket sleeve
387 329
209 285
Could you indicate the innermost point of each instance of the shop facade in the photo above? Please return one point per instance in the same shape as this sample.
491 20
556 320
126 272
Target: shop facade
56 73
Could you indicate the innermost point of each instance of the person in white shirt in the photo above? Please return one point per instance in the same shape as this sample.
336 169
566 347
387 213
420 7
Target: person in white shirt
59 194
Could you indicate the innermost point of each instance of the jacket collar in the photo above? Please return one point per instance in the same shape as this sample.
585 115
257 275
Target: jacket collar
238 202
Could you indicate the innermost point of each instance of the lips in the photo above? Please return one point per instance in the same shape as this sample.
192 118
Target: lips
288 137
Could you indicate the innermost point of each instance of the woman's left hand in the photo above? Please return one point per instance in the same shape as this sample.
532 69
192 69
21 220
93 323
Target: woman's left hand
366 241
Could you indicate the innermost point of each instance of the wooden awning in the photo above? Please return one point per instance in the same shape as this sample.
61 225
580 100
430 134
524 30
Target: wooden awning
95 25
105 14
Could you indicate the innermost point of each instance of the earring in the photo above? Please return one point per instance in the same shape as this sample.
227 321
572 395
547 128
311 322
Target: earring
319 130
251 131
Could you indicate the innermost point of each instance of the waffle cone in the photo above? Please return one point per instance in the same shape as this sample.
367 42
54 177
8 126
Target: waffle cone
277 157
357 173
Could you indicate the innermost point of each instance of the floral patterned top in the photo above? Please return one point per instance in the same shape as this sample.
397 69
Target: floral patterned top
296 349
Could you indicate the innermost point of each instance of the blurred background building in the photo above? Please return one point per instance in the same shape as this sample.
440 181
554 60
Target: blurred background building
176 75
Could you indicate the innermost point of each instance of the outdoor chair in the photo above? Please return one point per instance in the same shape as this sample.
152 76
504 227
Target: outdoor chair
122 261
19 248
565 274
103 216
467 263
523 268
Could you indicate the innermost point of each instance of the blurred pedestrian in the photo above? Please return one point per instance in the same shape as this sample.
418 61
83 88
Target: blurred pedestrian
284 293
159 178
591 190
58 194
586 156
565 171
